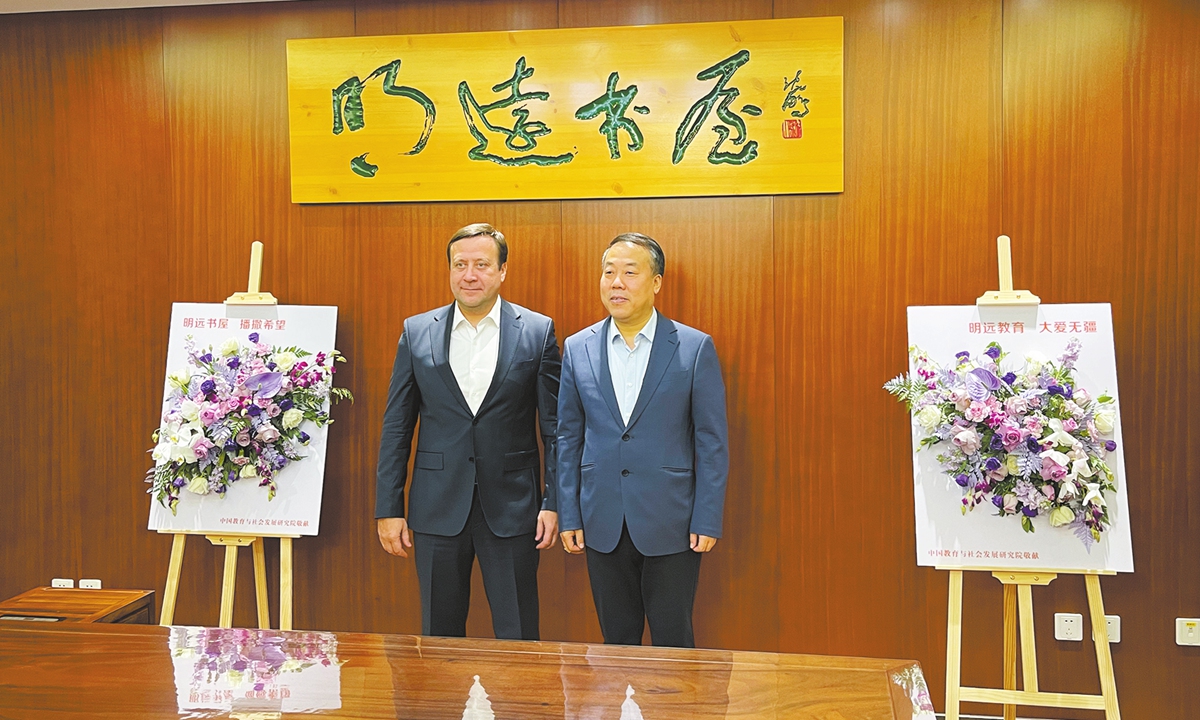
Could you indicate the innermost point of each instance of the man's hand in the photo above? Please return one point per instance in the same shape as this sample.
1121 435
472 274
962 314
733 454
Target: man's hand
393 535
572 541
547 529
702 543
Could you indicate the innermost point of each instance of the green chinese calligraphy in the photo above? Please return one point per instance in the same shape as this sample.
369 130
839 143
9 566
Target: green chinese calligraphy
793 88
360 166
348 104
719 98
522 136
613 103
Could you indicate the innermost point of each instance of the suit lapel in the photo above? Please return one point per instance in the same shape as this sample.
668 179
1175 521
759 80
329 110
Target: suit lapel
511 327
597 349
439 347
666 342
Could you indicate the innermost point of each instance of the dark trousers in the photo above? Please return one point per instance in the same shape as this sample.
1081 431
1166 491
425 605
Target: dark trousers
509 567
630 588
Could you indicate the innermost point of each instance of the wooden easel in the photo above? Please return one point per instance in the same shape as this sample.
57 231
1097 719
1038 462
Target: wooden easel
1018 594
1018 600
232 541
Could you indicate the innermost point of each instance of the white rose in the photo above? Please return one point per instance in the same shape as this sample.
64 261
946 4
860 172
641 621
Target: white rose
248 471
180 378
1061 515
230 347
284 361
190 411
292 418
929 417
1106 420
198 485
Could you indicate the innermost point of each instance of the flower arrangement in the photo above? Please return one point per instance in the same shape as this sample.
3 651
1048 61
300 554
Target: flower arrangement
1028 441
250 657
235 413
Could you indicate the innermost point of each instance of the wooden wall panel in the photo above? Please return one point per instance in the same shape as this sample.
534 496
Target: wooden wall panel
137 146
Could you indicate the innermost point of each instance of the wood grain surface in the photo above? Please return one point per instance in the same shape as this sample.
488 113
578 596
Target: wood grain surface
143 150
53 673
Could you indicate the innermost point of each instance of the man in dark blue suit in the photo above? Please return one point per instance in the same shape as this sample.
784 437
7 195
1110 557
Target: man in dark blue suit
643 452
481 374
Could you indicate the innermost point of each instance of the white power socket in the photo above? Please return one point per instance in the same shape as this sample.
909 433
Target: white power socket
62 583
1068 626
1187 631
1112 622
89 584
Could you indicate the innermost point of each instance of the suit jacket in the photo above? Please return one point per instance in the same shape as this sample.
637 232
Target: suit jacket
496 448
664 473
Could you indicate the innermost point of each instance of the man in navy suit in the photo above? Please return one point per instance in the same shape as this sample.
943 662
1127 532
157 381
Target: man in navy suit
643 452
481 374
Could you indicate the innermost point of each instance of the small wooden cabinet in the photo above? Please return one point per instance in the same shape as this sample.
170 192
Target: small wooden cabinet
52 605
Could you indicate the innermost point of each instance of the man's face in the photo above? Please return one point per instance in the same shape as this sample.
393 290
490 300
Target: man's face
476 272
628 284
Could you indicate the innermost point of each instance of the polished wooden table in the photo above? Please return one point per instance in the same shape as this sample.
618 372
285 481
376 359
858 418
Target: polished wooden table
74 605
122 671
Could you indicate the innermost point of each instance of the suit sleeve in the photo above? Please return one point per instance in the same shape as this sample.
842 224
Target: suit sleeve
549 370
395 442
569 446
711 442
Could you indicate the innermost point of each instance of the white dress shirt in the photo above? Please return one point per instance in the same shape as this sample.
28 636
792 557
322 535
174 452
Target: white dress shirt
473 354
628 367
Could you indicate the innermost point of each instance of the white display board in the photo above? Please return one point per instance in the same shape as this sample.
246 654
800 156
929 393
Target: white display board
245 509
946 537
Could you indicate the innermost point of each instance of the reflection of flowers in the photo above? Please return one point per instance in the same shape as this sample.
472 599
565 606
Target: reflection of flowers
237 416
1027 441
250 657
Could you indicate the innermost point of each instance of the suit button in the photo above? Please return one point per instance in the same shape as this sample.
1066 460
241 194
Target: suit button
471 459
624 473
475 421
625 437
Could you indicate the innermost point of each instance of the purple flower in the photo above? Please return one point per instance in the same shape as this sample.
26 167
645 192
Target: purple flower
992 464
1110 445
997 443
233 363
963 356
1055 390
1009 378
208 387
178 482
285 404
254 337
230 445
253 410
962 480
1029 511
1070 392
1033 445
271 366
993 352
998 501
981 383
304 437
267 384
280 462
206 358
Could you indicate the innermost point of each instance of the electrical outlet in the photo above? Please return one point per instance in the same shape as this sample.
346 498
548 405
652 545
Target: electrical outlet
1187 631
89 584
1068 626
62 583
1112 622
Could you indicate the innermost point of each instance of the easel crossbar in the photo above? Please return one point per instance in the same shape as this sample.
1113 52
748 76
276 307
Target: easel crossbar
1032 699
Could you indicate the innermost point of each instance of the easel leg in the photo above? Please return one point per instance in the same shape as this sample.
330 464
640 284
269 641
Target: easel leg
954 645
1010 646
227 586
1028 646
260 583
171 591
1108 683
285 583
